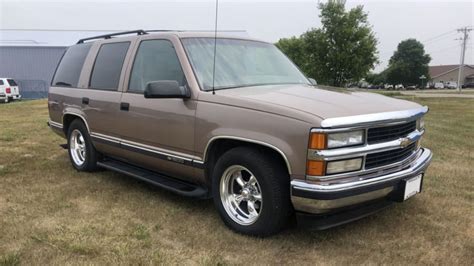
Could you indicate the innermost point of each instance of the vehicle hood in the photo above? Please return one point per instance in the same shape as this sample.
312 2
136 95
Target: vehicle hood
324 102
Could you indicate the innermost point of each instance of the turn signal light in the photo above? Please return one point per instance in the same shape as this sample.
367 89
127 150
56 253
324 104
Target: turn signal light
315 168
318 141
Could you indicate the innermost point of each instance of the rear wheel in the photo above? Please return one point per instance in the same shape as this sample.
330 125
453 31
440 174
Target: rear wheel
251 192
82 153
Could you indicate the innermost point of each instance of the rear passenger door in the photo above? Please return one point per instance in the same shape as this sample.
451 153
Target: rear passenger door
101 101
159 132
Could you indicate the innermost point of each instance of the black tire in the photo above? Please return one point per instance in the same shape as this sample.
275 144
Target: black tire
273 181
91 155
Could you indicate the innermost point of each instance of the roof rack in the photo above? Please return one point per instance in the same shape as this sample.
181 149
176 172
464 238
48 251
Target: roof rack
108 36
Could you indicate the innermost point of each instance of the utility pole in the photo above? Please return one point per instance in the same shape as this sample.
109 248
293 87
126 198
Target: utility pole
465 32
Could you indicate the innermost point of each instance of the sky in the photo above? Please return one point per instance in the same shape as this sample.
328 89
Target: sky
61 23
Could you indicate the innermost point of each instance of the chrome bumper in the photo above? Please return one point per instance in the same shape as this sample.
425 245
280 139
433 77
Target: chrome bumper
314 198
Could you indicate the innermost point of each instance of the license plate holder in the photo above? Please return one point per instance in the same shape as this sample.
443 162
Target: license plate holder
411 186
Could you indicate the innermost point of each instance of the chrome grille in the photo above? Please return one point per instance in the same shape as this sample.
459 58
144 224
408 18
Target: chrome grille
388 157
388 133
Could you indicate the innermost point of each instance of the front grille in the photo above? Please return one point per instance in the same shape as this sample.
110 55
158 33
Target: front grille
388 133
388 157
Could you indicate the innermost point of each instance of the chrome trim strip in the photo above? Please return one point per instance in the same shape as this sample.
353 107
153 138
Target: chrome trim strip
415 167
251 141
371 119
169 156
55 124
357 151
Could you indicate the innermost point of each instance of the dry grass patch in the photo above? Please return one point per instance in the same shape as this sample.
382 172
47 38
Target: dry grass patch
52 214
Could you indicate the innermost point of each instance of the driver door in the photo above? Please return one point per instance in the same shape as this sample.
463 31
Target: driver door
157 133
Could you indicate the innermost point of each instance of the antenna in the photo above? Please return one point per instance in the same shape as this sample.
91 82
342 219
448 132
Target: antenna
215 50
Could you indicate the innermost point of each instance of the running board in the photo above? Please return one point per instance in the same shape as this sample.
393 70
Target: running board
174 185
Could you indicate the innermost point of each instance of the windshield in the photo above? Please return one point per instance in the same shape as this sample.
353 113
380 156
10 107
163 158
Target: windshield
240 63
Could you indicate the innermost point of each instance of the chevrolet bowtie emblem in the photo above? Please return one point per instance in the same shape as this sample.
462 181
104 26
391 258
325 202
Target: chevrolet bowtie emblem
404 142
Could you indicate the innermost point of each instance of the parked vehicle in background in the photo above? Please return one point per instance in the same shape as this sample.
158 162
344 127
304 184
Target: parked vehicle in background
9 90
399 87
451 85
468 85
257 137
375 87
388 87
439 85
411 87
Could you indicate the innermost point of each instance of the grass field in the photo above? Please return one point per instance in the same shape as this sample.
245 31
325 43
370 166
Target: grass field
52 214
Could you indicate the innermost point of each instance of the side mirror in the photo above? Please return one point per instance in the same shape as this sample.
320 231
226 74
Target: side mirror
313 81
166 89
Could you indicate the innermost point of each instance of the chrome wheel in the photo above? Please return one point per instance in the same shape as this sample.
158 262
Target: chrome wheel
241 195
77 147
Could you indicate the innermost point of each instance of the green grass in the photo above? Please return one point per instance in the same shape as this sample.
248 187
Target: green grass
52 214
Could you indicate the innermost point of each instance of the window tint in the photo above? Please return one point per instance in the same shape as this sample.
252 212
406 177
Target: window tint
1 82
108 66
69 69
12 82
155 60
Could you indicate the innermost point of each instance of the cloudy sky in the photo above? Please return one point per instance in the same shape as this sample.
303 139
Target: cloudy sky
432 22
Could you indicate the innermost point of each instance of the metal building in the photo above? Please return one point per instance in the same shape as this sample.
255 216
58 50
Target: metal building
32 67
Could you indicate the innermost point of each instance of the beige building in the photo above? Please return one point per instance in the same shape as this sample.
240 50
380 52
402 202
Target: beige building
446 73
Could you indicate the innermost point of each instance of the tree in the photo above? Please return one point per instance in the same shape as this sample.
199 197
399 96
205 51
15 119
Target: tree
376 78
408 63
294 48
343 50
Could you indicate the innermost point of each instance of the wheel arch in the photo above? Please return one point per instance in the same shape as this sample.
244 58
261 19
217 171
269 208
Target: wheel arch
220 144
68 117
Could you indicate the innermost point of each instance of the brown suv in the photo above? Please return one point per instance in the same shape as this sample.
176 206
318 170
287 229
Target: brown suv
259 138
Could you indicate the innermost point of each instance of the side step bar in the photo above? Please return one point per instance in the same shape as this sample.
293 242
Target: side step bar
174 185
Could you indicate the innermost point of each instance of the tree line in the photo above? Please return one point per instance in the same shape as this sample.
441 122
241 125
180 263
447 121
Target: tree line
344 51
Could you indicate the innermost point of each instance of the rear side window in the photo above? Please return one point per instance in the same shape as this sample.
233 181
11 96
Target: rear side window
108 66
1 82
155 60
69 69
12 82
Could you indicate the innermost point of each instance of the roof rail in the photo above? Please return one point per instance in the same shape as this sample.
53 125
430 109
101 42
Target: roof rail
108 36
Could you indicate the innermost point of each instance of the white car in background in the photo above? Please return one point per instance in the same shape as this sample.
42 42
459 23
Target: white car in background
439 85
451 85
9 90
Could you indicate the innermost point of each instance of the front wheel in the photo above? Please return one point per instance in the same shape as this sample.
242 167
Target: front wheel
251 192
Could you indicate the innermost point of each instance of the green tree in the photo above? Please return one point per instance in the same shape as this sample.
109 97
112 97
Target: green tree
294 48
342 51
408 63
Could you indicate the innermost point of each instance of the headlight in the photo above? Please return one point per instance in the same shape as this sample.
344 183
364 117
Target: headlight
342 139
344 166
420 123
322 141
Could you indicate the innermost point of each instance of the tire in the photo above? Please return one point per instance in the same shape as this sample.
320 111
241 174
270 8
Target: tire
252 216
82 153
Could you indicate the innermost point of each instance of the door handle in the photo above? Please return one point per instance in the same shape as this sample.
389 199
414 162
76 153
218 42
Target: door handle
85 100
124 106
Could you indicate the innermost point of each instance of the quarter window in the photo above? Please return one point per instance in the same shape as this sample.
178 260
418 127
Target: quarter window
155 60
1 82
108 66
69 69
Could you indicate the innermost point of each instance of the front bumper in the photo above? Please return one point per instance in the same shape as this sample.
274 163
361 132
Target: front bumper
311 198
